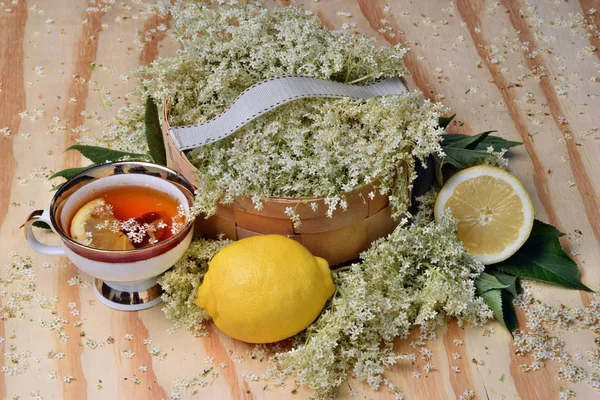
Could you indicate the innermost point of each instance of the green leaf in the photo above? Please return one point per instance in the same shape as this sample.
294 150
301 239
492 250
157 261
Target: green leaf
496 142
470 142
542 258
463 153
41 224
70 172
508 311
486 282
512 282
463 158
438 170
443 122
101 155
541 233
425 177
154 135
500 302
493 298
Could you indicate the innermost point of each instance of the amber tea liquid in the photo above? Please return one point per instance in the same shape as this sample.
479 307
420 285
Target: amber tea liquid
143 204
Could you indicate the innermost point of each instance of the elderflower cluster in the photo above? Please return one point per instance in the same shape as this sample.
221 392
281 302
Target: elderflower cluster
322 147
419 275
20 276
126 131
325 148
543 342
181 282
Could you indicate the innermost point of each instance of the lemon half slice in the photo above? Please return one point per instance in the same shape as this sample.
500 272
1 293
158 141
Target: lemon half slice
493 209
91 227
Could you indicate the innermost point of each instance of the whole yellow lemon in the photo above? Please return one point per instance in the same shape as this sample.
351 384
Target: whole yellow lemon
263 289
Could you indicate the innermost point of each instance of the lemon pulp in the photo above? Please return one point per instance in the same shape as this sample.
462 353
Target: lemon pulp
91 224
493 209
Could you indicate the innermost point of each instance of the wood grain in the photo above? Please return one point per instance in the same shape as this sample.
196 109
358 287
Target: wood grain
150 50
582 178
12 95
594 30
73 347
128 369
85 49
469 11
12 102
461 379
499 65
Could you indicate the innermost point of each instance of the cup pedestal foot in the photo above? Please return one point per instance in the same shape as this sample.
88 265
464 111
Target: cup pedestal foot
128 296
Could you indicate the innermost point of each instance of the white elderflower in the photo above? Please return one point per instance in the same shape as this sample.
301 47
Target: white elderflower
322 147
128 354
180 284
294 217
429 367
418 275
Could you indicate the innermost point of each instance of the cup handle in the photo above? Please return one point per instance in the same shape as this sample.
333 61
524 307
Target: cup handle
42 216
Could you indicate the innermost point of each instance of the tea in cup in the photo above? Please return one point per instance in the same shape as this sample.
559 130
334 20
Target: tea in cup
123 223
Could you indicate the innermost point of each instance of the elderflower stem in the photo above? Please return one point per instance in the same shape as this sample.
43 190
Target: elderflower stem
350 67
364 78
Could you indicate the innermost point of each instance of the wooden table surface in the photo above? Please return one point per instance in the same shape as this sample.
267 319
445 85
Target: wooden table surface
530 70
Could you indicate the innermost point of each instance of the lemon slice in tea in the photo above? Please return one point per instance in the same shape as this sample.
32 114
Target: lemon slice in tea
91 226
493 209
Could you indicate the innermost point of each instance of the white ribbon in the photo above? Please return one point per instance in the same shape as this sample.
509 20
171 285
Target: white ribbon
267 95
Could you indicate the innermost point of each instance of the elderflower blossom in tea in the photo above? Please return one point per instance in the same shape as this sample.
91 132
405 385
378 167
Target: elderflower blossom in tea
126 218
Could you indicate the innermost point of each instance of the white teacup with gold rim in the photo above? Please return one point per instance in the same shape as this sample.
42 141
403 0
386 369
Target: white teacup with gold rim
125 279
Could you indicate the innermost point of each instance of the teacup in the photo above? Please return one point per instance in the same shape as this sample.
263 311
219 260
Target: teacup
125 279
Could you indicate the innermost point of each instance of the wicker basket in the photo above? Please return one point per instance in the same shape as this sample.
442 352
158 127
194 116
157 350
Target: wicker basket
338 239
